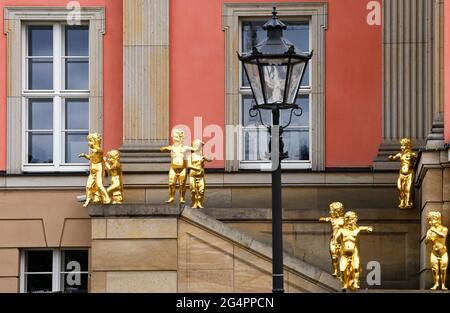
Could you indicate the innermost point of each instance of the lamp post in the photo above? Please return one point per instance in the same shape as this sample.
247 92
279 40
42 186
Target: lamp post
275 69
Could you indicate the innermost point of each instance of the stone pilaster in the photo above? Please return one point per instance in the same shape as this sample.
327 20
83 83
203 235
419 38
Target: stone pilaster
146 84
435 139
412 54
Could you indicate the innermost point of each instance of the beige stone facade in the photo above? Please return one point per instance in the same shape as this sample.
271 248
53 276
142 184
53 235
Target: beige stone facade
170 248
167 249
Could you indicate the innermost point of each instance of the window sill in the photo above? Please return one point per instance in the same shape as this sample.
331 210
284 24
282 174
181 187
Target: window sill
267 166
28 169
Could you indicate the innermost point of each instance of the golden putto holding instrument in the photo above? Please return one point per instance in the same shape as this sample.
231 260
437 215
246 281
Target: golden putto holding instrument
437 236
98 166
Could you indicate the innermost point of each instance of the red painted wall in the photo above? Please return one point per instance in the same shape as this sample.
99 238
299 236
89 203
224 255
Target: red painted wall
353 75
447 71
112 66
353 85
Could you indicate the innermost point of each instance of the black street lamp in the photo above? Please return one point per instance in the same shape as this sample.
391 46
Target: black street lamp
275 69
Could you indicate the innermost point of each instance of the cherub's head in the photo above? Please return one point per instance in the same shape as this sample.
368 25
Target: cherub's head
113 156
197 144
177 135
405 144
336 209
350 218
434 218
94 140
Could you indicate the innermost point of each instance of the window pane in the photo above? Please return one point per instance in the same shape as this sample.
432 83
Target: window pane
77 74
297 144
77 40
77 114
40 148
75 283
40 40
76 144
78 256
303 120
248 120
38 261
297 32
40 74
252 34
39 283
40 114
256 144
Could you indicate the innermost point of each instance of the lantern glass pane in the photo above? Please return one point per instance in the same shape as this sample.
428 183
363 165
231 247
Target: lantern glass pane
294 81
275 81
255 81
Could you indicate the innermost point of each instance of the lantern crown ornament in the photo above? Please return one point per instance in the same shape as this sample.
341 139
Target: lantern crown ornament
275 68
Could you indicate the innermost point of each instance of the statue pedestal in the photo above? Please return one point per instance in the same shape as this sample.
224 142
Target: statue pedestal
134 248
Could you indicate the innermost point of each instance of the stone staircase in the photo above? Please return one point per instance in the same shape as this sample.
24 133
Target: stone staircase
394 243
162 248
144 158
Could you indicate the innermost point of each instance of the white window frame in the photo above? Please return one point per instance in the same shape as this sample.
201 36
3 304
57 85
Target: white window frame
56 267
14 20
246 91
232 15
58 95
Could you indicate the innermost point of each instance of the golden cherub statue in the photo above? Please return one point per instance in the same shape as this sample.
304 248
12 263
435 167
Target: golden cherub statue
349 262
405 181
336 219
178 166
437 235
95 191
197 174
114 168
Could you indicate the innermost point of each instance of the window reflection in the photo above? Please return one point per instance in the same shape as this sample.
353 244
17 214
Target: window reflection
40 41
40 148
77 74
297 32
40 114
296 137
76 129
77 40
40 74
